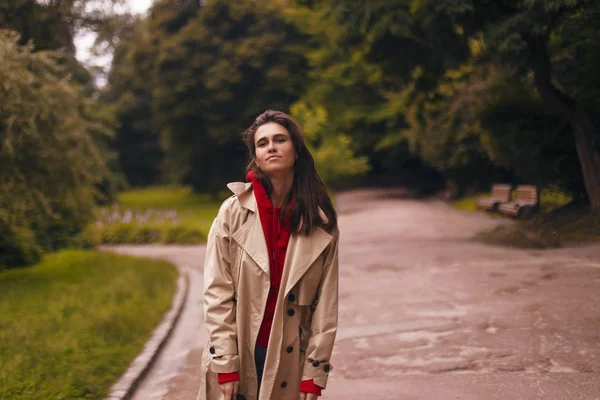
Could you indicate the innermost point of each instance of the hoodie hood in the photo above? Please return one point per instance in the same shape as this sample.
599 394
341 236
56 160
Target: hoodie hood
262 198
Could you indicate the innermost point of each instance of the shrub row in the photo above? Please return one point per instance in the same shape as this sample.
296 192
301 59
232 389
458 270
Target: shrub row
132 233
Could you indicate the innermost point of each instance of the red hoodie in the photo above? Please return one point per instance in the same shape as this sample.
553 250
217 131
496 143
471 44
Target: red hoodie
277 238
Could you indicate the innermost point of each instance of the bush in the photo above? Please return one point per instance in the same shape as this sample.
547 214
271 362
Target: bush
116 225
183 235
18 247
51 164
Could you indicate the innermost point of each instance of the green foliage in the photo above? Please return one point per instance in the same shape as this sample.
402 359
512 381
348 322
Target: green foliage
343 82
553 39
44 25
51 163
224 65
71 325
334 156
130 96
444 126
467 203
523 134
552 198
368 62
18 247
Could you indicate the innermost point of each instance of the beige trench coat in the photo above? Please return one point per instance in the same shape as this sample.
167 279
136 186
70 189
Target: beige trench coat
236 284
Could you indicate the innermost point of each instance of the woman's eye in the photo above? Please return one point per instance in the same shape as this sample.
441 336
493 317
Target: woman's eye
261 144
280 140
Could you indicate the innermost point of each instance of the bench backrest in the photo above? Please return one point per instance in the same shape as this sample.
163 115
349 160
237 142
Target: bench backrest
527 193
501 192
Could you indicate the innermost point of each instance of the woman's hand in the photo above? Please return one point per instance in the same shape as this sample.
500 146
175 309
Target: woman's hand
230 389
308 396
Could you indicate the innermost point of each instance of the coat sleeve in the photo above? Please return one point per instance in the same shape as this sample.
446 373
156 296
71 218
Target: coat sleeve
324 322
219 297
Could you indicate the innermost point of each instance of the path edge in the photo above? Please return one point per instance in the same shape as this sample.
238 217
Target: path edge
141 365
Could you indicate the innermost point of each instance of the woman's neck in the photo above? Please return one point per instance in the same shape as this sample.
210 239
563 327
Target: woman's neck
282 186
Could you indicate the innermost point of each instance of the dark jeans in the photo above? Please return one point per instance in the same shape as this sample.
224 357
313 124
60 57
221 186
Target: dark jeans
260 355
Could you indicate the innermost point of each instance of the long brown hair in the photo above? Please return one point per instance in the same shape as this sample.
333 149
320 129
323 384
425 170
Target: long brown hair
308 190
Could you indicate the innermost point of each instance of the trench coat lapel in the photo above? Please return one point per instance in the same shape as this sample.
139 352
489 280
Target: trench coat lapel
250 236
302 252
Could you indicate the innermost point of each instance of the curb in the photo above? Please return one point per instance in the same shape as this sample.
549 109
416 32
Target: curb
138 369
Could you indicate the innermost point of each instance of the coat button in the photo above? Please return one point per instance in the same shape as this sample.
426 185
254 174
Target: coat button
291 312
289 349
212 350
283 384
327 367
292 297
315 364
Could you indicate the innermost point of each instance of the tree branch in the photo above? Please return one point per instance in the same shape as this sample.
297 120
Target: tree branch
542 69
554 20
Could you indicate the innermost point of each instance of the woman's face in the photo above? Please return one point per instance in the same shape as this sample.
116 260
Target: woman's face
274 152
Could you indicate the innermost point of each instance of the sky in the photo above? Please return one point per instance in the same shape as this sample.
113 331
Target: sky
84 40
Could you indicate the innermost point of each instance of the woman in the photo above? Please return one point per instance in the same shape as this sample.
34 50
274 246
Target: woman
271 275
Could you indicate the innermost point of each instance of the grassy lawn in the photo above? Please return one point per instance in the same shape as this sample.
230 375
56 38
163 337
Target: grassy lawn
554 224
189 209
158 214
71 325
466 203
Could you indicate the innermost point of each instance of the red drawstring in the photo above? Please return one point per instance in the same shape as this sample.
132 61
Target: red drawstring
274 237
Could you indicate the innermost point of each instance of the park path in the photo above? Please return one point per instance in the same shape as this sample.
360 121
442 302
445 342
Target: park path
426 313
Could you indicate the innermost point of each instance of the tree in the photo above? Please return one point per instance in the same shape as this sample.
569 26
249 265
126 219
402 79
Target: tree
334 157
129 94
521 133
365 55
51 164
540 36
217 69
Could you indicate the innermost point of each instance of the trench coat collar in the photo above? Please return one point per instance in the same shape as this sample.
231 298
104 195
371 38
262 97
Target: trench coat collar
243 192
302 250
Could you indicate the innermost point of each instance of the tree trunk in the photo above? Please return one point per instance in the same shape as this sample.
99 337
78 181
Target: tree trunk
589 157
582 123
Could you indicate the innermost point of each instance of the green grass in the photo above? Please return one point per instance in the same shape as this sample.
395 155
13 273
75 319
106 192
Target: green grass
467 203
551 199
158 214
70 326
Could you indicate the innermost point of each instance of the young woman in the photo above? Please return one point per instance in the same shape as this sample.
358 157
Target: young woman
271 275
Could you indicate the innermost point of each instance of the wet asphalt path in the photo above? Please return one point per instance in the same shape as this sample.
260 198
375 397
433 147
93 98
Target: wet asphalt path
427 313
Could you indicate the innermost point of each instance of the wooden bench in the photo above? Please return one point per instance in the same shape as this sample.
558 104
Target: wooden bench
525 204
500 194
